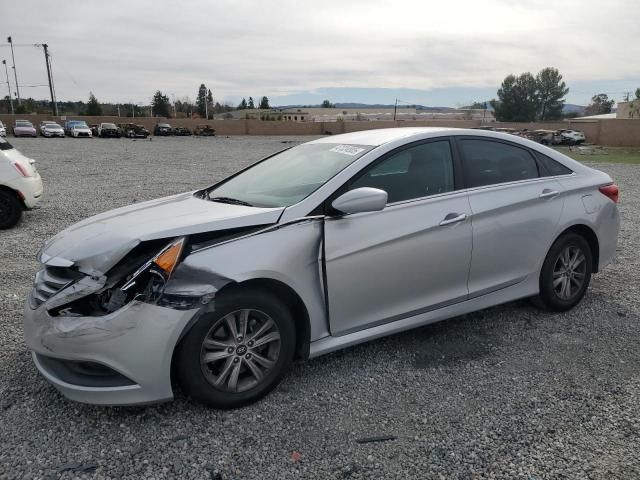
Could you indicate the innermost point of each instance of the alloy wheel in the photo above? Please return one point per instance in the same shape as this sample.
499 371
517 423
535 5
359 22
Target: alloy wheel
239 350
569 272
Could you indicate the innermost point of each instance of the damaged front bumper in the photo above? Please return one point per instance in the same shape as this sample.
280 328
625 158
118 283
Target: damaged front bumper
123 358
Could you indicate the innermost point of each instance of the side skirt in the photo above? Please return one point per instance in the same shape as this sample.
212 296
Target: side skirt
526 288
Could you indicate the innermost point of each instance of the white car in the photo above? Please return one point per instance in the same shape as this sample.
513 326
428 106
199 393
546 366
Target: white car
20 185
81 131
3 130
572 137
51 129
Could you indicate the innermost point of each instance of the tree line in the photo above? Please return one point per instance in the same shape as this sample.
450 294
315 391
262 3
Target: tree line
529 98
521 98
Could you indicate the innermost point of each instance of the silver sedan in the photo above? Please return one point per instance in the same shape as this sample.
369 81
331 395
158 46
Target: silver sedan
321 246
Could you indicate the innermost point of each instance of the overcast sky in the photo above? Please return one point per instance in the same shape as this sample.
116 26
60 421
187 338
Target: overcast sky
298 51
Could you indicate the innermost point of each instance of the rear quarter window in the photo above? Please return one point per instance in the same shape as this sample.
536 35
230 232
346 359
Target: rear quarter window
550 167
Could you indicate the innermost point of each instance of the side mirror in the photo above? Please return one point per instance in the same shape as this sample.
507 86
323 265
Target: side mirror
364 199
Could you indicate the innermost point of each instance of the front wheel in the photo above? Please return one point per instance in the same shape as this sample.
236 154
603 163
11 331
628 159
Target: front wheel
10 210
237 354
565 274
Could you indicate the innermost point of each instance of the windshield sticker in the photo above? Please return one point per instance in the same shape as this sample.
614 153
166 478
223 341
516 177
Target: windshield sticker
347 150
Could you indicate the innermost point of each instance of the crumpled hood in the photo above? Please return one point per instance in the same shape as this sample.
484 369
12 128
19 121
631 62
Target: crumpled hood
99 242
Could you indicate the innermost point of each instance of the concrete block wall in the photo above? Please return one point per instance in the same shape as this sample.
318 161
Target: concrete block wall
609 132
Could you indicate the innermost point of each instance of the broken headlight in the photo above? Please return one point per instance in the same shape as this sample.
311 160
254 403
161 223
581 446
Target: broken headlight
147 283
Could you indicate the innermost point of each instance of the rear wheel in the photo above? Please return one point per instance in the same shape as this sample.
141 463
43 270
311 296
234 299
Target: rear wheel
10 209
565 274
238 353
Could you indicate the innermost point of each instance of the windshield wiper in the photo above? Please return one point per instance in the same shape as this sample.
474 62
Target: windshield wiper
233 201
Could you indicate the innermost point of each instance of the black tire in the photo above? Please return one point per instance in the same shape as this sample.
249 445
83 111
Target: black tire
192 375
549 298
10 209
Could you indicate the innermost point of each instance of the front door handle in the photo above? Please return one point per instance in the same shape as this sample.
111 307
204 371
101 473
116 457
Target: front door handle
548 193
453 218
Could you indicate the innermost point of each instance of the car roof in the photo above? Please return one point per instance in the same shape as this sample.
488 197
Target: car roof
379 136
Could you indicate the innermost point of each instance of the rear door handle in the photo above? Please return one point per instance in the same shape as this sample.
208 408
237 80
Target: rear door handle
548 193
453 218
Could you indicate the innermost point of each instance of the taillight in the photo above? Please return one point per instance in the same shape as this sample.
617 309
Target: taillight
23 171
611 191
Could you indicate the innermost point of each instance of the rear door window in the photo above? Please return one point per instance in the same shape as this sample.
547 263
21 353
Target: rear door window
487 162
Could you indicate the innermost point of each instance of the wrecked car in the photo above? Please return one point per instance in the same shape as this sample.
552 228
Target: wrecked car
181 132
109 130
131 130
204 131
162 130
570 137
316 248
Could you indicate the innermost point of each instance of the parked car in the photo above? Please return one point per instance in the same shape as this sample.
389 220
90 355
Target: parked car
108 130
181 131
24 128
162 129
79 130
319 247
51 129
3 130
20 185
131 130
94 129
544 137
70 123
204 131
571 137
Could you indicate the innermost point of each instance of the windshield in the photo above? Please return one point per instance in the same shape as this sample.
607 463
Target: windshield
289 176
4 145
78 124
23 123
109 125
164 125
52 125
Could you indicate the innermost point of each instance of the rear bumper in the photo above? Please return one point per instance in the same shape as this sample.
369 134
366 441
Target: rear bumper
135 344
609 227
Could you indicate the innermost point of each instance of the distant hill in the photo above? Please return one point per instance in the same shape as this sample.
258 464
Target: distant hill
568 107
362 106
365 106
571 108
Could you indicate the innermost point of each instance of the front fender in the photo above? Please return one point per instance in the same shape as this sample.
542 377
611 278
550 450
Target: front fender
289 253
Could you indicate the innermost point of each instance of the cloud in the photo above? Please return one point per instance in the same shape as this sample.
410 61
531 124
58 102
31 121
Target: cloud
124 51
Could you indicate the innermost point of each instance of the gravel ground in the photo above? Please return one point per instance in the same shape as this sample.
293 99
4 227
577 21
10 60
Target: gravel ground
508 392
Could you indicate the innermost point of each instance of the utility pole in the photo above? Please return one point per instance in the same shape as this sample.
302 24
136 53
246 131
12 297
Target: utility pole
15 73
118 107
54 103
4 62
395 108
